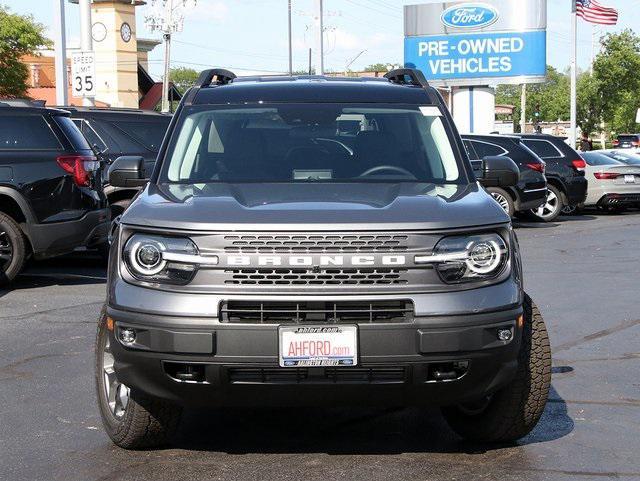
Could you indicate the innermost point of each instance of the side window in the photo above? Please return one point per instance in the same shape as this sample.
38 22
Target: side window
92 137
468 145
543 148
485 149
147 134
27 132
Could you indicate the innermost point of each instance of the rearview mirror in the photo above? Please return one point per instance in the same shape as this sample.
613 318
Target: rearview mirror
499 171
127 171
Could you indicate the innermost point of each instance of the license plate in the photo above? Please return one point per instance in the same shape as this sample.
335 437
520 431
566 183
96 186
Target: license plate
629 179
303 346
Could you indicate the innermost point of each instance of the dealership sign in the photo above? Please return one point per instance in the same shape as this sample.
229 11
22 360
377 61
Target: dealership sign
469 43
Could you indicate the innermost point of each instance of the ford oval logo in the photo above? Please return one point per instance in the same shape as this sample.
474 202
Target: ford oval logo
469 15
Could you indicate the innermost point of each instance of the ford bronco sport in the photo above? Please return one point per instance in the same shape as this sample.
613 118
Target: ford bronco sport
317 241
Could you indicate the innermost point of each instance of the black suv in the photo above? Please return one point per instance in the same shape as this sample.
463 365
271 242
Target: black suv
565 174
315 240
114 132
627 141
531 191
51 198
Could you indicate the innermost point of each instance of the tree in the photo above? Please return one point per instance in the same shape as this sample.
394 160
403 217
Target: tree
552 96
19 35
183 78
615 71
378 67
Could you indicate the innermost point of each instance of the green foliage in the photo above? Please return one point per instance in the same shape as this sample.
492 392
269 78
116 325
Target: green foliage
617 82
377 67
552 96
19 35
183 78
609 95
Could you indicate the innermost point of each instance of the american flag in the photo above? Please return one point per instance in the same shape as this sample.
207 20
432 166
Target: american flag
592 11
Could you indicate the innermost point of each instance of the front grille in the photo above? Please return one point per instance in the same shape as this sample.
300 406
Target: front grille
349 375
314 243
328 277
277 312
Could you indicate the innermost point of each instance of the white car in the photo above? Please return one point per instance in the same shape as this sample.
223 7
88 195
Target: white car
614 182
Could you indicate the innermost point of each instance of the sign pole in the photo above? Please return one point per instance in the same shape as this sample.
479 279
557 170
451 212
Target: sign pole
574 75
523 109
85 35
62 83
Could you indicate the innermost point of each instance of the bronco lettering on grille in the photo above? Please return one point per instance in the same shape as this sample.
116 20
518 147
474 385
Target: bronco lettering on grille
321 260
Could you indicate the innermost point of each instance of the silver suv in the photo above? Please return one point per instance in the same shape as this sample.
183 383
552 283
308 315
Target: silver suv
317 241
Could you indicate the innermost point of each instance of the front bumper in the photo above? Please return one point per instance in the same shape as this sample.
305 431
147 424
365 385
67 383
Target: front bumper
238 363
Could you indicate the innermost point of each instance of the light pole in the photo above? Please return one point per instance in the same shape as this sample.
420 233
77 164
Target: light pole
167 17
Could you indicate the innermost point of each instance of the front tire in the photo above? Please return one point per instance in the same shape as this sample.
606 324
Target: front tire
552 206
514 411
132 420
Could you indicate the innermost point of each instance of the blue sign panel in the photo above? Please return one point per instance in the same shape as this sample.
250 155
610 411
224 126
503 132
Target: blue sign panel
477 55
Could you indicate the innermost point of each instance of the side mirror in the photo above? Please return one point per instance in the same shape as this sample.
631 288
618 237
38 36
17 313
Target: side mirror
499 171
127 171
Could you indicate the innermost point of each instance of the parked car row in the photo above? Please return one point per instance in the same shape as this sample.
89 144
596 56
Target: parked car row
552 177
54 197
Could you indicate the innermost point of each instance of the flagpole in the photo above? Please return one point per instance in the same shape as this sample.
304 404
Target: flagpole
574 74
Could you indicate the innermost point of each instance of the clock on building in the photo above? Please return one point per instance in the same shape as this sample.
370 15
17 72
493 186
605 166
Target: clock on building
98 31
125 31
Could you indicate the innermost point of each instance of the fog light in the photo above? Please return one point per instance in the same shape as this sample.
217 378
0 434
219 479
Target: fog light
505 335
127 335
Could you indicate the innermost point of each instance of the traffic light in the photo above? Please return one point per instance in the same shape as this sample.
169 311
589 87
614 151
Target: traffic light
537 112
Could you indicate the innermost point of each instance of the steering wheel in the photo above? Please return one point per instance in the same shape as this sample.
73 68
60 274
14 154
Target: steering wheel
382 168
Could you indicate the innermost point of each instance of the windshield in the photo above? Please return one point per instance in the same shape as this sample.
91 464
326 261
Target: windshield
312 143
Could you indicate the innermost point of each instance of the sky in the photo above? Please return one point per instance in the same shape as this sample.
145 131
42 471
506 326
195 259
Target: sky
251 35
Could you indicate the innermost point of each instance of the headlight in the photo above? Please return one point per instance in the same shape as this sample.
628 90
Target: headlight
468 258
165 260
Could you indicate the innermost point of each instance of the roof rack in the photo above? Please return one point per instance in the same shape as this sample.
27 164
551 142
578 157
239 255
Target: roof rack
221 75
399 76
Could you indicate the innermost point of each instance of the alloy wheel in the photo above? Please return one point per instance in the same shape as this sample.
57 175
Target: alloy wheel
549 207
501 199
116 393
6 250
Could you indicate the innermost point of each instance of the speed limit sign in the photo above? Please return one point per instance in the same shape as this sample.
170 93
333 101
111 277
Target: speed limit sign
83 74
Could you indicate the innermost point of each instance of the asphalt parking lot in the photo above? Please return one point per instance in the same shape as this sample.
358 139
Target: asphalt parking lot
584 274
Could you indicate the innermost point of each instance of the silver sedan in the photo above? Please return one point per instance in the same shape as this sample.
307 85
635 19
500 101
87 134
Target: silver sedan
614 180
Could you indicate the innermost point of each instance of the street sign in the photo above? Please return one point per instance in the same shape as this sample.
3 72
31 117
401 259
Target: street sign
83 74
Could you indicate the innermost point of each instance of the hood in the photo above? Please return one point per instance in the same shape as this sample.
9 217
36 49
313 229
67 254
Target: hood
317 206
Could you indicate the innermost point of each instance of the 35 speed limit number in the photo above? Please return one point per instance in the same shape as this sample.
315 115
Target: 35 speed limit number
83 71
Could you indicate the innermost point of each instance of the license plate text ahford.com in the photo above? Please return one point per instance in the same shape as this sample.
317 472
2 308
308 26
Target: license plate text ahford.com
318 346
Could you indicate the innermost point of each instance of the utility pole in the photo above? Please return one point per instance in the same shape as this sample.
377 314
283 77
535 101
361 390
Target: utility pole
523 108
290 41
86 41
167 69
319 37
167 17
62 83
574 76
